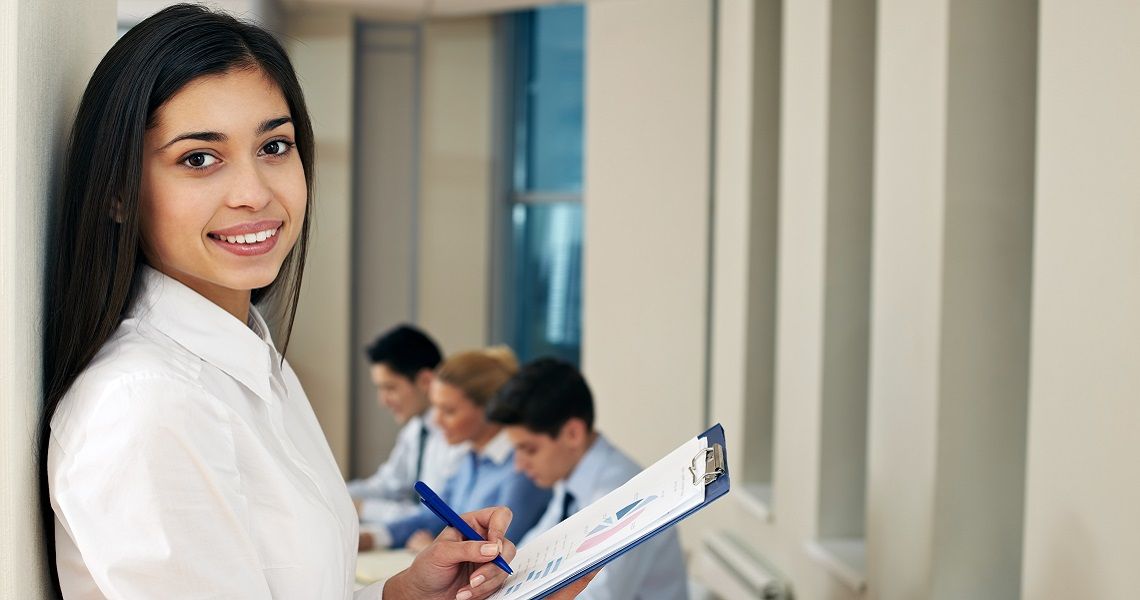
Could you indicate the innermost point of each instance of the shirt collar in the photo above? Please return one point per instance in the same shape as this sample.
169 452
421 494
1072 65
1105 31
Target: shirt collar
244 352
580 483
499 449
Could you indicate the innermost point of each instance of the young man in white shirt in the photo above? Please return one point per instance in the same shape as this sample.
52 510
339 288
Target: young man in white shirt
548 413
403 363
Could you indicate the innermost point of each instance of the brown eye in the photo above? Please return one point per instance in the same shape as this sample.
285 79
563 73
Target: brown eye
276 147
199 160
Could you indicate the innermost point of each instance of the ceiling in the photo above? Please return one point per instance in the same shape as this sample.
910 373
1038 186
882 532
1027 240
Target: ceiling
420 8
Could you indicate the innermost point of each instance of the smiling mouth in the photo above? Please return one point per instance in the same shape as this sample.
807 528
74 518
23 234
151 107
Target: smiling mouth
246 238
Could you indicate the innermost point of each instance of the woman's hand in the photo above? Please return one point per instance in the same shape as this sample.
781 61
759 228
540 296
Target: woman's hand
453 569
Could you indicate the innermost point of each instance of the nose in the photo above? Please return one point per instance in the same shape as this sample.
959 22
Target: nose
249 189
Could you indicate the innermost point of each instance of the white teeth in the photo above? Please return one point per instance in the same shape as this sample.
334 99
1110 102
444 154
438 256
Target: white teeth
248 238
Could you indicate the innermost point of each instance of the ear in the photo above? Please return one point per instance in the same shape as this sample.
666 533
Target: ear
574 431
423 380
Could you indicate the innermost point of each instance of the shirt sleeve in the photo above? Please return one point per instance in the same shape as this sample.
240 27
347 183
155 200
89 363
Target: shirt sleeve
372 592
527 502
146 486
399 530
402 529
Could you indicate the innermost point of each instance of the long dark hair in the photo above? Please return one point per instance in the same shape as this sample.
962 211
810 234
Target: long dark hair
93 266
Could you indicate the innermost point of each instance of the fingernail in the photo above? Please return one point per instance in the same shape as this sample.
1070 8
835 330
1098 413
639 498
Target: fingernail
464 595
489 550
476 580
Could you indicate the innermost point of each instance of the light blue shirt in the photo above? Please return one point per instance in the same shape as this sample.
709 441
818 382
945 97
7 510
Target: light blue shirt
487 478
655 569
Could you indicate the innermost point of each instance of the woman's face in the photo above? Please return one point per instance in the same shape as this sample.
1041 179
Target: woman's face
459 418
223 190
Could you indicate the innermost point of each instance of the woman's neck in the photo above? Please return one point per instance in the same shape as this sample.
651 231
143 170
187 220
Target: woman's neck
235 302
484 437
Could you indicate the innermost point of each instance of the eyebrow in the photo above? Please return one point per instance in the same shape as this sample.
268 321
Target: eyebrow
213 136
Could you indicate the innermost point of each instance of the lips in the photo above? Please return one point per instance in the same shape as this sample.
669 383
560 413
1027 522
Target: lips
247 233
247 239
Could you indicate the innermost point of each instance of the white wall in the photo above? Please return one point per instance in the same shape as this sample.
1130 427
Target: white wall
322 51
385 218
457 168
47 53
645 263
1082 529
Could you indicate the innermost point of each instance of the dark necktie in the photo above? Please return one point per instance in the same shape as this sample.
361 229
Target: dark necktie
567 501
420 458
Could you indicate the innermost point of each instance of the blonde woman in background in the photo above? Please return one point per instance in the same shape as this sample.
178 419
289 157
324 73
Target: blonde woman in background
464 385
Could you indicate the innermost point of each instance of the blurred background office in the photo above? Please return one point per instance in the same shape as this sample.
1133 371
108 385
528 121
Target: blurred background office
893 246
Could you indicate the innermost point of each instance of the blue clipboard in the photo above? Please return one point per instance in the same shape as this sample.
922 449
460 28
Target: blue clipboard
717 484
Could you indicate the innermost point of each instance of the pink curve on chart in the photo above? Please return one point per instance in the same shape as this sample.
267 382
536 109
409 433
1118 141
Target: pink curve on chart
601 537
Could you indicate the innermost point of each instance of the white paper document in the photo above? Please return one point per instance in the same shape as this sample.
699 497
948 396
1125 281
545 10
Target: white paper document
645 503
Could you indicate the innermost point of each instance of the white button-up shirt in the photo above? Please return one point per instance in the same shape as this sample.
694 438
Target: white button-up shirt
186 462
388 494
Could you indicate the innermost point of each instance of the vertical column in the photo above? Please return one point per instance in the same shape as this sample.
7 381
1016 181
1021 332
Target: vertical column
986 269
802 244
1082 529
952 264
456 181
322 50
745 236
47 53
648 102
843 414
906 288
384 265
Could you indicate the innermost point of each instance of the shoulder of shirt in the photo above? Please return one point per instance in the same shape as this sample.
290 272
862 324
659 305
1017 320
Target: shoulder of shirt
133 362
617 468
410 431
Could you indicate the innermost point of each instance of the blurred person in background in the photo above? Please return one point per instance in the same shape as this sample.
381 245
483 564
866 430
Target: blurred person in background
547 411
463 386
403 362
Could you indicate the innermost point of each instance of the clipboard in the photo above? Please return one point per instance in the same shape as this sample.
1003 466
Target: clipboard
716 482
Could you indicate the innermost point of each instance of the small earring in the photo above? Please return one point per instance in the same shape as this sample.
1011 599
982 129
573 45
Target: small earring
117 211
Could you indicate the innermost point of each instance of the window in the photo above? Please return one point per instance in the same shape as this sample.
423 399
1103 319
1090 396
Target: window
541 305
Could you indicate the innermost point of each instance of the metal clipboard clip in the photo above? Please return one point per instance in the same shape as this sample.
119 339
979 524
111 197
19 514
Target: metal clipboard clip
714 464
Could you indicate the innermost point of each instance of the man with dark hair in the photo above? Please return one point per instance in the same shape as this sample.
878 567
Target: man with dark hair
403 363
548 413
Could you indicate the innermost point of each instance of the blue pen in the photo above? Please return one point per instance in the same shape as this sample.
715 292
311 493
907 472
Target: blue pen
444 512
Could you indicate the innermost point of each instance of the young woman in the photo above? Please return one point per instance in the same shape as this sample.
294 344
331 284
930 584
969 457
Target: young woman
180 456
464 384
